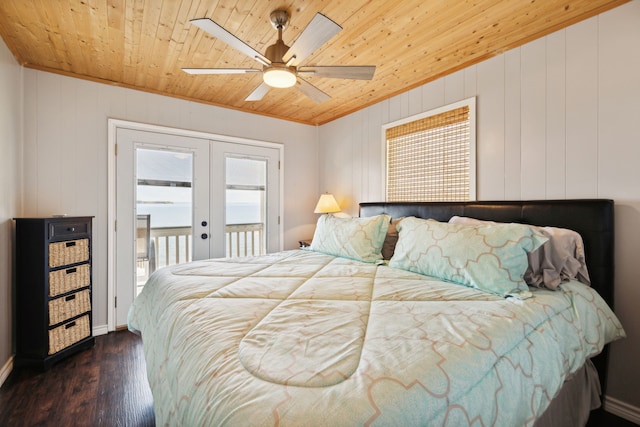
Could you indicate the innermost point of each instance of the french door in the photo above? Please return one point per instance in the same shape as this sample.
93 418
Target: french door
184 198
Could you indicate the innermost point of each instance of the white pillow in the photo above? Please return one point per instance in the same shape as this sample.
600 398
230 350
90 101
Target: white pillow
355 238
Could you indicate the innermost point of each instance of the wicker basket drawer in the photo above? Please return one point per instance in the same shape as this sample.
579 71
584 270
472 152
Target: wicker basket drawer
68 334
61 309
61 281
69 252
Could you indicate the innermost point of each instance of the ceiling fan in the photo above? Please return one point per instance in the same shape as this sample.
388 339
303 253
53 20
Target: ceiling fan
280 62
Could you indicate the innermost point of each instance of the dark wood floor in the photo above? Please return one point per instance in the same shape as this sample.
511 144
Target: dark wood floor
103 386
107 386
601 418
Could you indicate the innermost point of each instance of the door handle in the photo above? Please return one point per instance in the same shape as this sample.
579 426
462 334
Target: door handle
204 236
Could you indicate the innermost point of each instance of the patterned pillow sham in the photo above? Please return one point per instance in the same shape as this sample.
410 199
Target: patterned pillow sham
489 257
558 260
354 238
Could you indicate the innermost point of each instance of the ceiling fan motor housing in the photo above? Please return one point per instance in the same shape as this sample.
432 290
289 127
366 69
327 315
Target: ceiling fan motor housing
279 19
276 51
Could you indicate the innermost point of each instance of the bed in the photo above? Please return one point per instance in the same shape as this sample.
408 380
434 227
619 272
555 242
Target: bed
335 336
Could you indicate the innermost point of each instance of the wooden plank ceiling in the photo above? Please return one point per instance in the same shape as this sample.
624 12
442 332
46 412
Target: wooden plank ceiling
143 44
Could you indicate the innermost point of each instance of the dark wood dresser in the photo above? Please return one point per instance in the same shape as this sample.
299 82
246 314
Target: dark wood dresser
53 289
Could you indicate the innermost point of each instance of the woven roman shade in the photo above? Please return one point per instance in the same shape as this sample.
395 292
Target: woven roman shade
429 159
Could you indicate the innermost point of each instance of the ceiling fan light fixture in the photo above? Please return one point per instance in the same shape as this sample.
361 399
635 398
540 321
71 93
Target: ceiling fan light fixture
279 77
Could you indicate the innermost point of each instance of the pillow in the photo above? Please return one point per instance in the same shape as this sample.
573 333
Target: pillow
390 240
560 259
489 257
355 238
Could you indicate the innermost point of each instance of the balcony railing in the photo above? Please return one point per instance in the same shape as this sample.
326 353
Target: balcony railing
172 245
244 239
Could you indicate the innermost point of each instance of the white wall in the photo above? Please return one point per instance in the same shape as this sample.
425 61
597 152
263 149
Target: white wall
65 154
557 118
10 136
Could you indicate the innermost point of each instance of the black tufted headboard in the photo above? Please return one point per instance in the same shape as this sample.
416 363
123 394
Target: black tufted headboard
592 218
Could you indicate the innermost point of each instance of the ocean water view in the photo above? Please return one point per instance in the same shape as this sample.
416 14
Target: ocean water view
178 214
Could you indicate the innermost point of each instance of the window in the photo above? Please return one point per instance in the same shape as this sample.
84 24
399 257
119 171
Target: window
431 157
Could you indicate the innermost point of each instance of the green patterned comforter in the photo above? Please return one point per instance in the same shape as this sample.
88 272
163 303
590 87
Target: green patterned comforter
301 338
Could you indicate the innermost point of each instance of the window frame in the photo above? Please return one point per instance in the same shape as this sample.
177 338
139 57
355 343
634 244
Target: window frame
471 104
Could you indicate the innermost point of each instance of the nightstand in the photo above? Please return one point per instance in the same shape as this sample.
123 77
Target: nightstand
305 243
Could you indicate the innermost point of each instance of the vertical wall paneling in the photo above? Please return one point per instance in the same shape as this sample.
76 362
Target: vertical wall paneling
68 147
512 128
375 145
618 95
385 115
470 82
396 105
11 114
29 145
136 108
404 105
490 149
582 108
323 151
415 101
619 178
337 178
343 177
454 87
381 147
533 83
432 95
164 109
359 155
113 102
48 162
555 120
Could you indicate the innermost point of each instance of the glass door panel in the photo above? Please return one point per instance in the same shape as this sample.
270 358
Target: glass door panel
245 206
245 200
164 207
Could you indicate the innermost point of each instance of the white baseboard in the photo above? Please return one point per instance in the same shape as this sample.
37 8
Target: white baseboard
6 370
621 409
100 330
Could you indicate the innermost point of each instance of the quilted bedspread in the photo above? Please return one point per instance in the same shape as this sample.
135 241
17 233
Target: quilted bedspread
299 338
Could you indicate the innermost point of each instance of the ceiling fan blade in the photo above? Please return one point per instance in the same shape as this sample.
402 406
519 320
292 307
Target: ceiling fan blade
311 91
357 72
258 93
317 33
221 70
218 32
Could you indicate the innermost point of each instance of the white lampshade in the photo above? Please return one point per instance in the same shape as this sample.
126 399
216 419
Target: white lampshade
279 77
327 204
